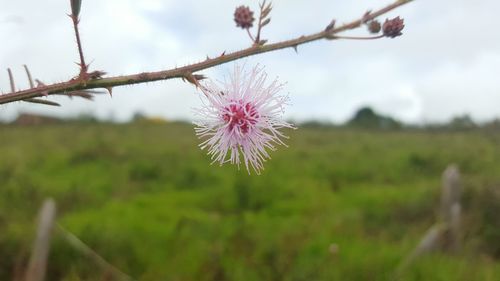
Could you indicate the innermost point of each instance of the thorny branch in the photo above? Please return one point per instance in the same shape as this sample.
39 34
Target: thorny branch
73 86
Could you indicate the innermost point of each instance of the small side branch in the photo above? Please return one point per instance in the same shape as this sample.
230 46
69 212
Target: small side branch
82 64
75 13
265 10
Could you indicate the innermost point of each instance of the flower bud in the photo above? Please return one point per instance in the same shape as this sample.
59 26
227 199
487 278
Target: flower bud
374 26
392 28
243 17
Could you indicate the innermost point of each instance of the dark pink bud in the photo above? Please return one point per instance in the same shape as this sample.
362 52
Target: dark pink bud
374 26
392 28
243 17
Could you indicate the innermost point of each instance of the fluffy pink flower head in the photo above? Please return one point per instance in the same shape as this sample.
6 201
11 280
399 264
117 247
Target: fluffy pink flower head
242 118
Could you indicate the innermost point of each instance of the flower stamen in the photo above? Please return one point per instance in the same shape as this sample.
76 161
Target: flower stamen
243 117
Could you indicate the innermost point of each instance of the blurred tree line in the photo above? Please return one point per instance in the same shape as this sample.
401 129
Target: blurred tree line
367 118
364 118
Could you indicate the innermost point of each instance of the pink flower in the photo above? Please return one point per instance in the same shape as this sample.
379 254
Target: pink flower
243 116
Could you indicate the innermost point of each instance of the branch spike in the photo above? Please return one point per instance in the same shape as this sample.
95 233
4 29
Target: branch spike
366 16
39 83
193 79
45 102
85 94
110 91
330 26
11 79
30 79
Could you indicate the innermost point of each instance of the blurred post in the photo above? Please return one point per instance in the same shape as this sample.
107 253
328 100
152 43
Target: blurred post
444 234
38 261
451 208
79 245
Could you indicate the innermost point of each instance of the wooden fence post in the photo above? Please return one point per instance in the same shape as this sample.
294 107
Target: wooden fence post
445 233
451 208
38 261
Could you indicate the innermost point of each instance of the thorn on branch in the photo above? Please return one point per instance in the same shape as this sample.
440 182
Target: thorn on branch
86 94
39 83
11 79
330 26
45 102
110 91
30 79
366 16
96 75
199 77
193 78
87 76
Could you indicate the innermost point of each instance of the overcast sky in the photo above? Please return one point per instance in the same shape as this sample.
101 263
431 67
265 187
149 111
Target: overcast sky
446 64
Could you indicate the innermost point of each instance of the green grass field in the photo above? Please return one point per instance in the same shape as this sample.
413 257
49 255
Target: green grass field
147 200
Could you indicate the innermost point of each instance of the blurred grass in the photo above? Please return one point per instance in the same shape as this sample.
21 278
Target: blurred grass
146 198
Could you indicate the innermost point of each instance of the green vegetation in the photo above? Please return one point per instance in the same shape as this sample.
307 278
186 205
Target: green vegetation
338 204
367 118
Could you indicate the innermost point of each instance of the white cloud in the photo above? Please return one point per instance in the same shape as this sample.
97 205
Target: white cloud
445 64
463 88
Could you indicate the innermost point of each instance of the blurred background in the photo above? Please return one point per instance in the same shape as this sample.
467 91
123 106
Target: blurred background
357 195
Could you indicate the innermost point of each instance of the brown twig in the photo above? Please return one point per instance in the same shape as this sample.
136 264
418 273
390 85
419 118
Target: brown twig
82 64
108 83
